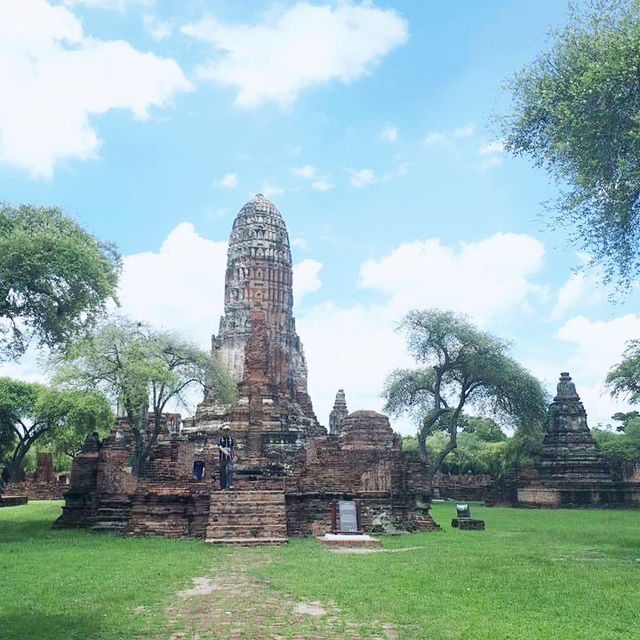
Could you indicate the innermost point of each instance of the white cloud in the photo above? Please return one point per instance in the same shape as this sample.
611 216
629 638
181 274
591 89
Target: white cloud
491 148
229 181
113 5
435 138
54 78
492 154
322 185
400 170
362 177
299 242
305 278
581 289
156 28
390 133
425 273
599 345
269 190
179 287
464 132
307 171
296 48
365 348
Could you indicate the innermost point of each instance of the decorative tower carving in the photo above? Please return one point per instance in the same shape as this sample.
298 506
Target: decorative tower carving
338 413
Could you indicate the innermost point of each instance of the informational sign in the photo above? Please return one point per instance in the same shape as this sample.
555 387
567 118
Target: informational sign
348 516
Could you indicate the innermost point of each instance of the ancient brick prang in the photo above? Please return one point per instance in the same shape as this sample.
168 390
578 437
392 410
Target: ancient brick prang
258 344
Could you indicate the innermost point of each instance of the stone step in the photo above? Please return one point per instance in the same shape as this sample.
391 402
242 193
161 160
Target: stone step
247 517
248 542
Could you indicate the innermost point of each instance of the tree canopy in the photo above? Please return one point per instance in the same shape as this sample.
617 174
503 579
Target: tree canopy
31 411
141 369
55 278
624 378
461 367
576 112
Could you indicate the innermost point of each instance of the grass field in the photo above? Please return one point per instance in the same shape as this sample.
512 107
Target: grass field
531 575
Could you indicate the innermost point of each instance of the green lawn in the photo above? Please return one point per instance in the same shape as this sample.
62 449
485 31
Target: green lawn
531 575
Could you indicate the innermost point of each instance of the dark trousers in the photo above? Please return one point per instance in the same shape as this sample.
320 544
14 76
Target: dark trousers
226 473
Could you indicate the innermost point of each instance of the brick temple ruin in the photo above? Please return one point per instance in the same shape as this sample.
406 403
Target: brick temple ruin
570 471
289 470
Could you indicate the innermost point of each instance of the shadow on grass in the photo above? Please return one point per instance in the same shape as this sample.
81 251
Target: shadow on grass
32 625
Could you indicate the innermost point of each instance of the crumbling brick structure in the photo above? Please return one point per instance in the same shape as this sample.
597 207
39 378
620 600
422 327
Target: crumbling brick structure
288 469
43 484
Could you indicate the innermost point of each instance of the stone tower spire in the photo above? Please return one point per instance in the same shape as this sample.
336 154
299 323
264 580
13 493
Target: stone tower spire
569 450
257 339
338 413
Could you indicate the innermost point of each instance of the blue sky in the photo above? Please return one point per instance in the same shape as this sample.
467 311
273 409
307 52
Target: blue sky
369 125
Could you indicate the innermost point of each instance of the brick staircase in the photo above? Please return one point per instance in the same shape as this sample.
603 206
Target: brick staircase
113 516
247 518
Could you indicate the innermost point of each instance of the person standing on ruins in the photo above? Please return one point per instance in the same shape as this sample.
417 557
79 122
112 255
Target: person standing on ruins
226 454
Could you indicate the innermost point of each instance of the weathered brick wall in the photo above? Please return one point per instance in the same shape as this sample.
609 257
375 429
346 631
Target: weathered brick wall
465 487
114 473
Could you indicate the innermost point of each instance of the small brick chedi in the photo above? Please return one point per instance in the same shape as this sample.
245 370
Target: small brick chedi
570 471
288 470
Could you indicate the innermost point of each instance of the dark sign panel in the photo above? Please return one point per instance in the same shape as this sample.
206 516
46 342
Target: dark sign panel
348 516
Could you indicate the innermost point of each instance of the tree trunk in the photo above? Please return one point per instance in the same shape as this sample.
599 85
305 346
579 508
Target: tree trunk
140 459
11 471
451 445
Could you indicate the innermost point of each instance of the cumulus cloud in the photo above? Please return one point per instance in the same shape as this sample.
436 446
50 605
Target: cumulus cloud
269 190
320 183
179 287
228 181
362 178
307 171
305 278
492 154
364 348
464 132
54 78
296 48
424 273
157 29
435 138
114 5
390 133
581 289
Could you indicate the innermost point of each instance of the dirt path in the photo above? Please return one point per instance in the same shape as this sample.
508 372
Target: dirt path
232 604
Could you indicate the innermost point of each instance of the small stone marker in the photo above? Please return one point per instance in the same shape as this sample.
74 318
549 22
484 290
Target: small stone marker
464 519
348 516
463 511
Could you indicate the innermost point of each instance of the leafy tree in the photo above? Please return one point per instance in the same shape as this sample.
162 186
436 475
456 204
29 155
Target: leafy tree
485 429
620 450
576 112
30 411
624 378
141 369
85 412
462 366
624 418
55 278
